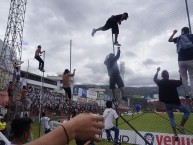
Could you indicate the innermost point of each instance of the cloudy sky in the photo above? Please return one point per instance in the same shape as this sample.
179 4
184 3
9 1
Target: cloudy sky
144 37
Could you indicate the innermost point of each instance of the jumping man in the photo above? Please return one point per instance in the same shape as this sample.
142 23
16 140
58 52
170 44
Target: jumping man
112 23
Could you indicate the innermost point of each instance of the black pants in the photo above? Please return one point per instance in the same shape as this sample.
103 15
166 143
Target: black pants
68 92
41 62
110 23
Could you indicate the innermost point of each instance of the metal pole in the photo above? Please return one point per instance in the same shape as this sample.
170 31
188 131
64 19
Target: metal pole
27 68
40 109
142 137
188 15
70 53
113 43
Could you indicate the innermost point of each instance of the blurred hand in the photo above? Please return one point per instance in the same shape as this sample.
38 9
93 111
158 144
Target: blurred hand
175 31
158 69
87 126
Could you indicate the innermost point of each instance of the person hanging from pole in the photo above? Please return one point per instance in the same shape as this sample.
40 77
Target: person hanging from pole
66 82
114 76
10 102
16 67
10 93
23 80
112 23
37 56
169 96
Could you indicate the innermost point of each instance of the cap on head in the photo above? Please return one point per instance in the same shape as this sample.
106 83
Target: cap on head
39 46
185 30
165 74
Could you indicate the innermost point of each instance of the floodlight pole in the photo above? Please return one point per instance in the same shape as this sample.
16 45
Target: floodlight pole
188 15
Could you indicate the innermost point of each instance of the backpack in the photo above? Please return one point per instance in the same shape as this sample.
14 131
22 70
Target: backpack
184 42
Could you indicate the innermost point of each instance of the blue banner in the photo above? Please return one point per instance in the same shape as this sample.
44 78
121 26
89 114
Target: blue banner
75 91
84 93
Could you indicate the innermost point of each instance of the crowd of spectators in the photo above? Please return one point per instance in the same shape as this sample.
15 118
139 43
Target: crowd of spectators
53 102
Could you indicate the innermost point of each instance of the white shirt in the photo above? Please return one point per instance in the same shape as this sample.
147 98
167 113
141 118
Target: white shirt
109 115
4 139
45 122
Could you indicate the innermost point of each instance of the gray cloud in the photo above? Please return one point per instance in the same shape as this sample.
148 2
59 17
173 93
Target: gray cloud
150 62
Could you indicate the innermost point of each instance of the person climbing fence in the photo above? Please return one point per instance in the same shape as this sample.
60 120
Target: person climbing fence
184 44
169 96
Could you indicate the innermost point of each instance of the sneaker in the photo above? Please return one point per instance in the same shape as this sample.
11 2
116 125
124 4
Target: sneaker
124 101
124 98
42 70
187 97
176 137
181 129
115 142
114 100
117 44
93 32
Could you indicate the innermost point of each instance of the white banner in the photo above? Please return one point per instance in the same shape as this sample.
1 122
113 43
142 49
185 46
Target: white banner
164 139
91 94
80 92
125 136
75 98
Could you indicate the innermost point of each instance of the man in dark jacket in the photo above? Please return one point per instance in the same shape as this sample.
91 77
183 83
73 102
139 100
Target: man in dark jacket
169 96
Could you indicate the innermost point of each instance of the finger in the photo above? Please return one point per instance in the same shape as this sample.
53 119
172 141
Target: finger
99 125
97 138
98 117
97 131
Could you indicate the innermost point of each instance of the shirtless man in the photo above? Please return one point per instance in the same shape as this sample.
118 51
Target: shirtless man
37 56
66 82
